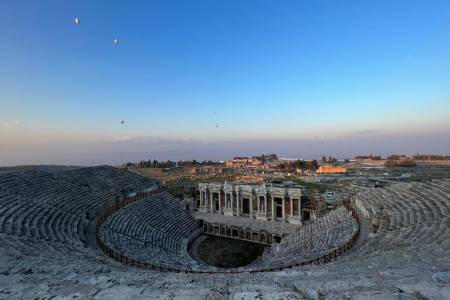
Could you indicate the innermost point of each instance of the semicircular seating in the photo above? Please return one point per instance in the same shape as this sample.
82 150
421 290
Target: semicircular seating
46 211
406 219
404 247
154 230
311 241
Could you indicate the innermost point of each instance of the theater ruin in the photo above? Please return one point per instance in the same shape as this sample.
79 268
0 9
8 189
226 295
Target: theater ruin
103 233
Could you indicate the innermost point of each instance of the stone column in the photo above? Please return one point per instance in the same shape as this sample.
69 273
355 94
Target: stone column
232 202
201 198
300 208
251 205
273 208
211 200
227 206
265 206
220 199
282 208
292 206
259 204
238 198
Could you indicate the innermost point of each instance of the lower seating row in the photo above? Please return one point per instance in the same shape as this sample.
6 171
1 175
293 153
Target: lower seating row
48 209
406 218
154 230
312 241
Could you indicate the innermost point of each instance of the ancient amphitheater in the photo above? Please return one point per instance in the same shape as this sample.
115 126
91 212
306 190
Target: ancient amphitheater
104 233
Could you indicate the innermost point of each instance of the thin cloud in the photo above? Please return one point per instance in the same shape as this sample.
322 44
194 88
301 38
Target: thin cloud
149 139
370 131
122 138
9 124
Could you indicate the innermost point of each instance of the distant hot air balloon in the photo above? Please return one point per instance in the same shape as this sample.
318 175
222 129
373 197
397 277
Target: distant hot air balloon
116 41
77 21
217 126
122 122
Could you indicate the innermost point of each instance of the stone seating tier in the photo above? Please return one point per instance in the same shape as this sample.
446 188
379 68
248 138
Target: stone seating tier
43 252
154 230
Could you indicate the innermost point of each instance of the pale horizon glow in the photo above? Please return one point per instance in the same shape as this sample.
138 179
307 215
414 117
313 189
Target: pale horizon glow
210 80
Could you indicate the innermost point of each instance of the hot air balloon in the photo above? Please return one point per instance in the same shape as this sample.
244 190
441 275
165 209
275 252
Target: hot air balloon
77 21
116 41
122 122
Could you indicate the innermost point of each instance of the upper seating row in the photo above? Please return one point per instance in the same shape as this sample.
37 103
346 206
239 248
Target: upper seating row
154 230
406 218
51 206
312 240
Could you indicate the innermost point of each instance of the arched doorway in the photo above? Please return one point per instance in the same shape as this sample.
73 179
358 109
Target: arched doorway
278 207
306 208
246 205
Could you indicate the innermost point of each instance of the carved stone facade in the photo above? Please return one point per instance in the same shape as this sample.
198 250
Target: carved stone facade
266 201
236 232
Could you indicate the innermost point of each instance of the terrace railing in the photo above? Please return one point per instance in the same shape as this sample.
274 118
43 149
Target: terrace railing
333 254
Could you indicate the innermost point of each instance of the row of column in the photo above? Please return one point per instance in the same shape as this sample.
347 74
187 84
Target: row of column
261 236
207 198
283 207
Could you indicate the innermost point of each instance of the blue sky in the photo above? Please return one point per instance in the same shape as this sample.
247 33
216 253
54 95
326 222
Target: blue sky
260 70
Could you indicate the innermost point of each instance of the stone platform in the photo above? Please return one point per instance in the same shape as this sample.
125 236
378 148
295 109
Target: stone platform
277 228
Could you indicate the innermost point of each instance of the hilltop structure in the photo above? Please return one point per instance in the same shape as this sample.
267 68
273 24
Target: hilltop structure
243 161
328 169
255 161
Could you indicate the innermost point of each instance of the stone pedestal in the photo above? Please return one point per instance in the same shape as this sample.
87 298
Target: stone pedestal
203 209
228 212
294 220
261 216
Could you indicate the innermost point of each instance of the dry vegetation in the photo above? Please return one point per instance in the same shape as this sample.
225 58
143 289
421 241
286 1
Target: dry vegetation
178 178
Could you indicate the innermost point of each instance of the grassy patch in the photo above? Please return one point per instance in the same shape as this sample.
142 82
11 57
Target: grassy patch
228 253
311 186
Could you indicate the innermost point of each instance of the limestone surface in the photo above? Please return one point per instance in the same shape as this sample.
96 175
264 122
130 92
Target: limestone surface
403 251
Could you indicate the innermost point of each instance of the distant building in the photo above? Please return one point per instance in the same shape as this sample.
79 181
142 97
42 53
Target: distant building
229 163
206 170
327 169
243 161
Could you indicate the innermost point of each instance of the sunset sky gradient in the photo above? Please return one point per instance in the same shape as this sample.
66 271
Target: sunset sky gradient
214 79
